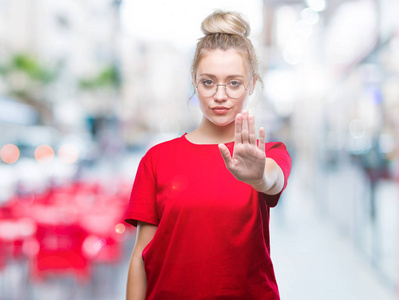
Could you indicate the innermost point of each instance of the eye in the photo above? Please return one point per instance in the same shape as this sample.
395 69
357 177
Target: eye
207 82
235 84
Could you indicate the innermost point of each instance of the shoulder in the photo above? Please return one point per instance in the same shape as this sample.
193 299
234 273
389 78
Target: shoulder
278 152
157 154
275 146
165 147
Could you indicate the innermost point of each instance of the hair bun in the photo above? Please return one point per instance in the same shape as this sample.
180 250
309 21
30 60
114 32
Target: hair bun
225 22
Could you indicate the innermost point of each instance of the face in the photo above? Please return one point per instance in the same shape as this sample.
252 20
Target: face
223 67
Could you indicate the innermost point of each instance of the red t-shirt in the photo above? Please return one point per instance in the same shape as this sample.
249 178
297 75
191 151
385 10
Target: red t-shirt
212 240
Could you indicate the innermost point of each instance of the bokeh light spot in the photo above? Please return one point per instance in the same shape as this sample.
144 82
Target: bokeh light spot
68 153
44 154
317 5
92 245
357 128
310 16
30 247
9 153
120 228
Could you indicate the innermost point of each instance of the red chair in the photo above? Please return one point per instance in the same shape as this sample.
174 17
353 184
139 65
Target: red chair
60 252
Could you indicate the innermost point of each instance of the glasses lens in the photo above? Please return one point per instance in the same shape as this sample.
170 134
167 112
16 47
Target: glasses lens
232 89
206 88
235 90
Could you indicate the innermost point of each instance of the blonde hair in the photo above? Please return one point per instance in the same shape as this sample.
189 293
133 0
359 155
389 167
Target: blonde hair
226 30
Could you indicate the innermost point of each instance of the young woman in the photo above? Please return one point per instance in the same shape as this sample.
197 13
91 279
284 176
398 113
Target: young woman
201 201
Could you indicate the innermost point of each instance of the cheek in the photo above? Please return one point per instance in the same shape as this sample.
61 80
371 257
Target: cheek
240 104
203 104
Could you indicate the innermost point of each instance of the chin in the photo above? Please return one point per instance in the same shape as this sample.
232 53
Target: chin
221 123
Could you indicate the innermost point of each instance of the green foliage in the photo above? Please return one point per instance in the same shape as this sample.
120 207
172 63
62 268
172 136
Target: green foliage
29 65
108 78
20 94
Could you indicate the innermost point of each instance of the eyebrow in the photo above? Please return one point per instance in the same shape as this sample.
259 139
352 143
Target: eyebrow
230 76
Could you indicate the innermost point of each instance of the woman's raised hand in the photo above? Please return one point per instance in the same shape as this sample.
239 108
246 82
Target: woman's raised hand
249 159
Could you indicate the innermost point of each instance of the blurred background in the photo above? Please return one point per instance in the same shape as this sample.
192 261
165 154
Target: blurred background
86 87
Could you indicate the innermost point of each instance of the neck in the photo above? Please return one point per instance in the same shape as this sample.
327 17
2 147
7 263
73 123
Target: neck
209 133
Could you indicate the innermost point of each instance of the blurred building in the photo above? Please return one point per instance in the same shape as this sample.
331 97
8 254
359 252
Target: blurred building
59 80
156 90
75 39
333 69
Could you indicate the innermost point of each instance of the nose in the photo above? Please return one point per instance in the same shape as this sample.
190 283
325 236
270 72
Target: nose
220 94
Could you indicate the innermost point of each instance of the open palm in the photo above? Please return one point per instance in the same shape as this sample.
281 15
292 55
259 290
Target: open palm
249 159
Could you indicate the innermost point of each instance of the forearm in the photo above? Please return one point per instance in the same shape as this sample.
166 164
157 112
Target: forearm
137 280
273 180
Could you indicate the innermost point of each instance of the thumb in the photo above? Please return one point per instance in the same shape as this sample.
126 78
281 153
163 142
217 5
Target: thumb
226 155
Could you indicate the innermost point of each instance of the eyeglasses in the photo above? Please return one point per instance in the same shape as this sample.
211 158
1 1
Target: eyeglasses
234 89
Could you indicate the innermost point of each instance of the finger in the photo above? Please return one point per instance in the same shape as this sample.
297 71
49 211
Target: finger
226 155
244 129
237 133
262 139
252 132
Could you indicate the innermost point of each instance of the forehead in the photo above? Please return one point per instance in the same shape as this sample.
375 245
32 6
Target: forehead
222 63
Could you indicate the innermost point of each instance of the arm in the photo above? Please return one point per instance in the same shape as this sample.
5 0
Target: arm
137 280
273 180
249 163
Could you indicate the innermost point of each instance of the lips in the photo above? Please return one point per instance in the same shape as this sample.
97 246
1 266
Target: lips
220 109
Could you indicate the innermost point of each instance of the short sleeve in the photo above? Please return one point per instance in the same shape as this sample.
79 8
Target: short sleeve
142 204
278 152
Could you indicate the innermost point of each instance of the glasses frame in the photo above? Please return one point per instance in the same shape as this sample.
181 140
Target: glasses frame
225 90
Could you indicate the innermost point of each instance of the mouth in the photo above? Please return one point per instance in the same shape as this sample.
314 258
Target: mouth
220 110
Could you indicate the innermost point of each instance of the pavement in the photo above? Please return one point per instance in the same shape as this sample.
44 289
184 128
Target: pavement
314 259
